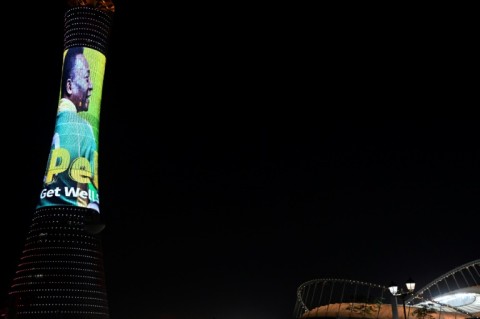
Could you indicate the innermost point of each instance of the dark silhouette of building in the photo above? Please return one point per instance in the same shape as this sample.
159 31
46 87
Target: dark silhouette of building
60 273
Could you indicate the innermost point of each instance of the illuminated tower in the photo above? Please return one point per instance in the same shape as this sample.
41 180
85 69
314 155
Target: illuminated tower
60 273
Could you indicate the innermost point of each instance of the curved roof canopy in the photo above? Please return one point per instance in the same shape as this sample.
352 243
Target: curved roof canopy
457 293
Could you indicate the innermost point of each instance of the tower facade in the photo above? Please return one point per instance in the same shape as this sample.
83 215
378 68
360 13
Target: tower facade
60 273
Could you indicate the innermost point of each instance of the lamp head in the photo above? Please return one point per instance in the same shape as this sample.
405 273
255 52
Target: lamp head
393 288
410 285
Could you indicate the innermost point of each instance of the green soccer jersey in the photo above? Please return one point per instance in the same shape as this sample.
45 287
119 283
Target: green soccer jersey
71 175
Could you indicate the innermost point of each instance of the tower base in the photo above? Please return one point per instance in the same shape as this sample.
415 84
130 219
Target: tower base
60 273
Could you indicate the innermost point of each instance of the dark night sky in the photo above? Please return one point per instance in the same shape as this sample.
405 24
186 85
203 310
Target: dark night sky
245 153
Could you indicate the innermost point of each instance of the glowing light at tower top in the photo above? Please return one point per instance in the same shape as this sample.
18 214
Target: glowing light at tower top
103 5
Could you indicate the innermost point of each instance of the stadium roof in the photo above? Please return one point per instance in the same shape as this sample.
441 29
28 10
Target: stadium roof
457 292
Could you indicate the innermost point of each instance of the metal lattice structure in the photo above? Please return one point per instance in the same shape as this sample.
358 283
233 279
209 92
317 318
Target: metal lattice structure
457 291
454 295
339 297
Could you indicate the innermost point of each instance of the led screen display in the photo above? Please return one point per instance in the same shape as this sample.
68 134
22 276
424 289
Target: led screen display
71 176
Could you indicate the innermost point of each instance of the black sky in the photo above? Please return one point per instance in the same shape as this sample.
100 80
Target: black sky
247 152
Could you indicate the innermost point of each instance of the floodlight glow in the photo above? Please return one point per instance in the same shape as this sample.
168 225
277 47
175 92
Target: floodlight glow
458 299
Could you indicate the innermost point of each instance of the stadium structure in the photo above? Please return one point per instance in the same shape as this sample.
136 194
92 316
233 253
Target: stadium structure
454 295
60 273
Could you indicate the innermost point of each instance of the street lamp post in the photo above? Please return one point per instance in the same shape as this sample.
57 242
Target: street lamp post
400 293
